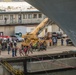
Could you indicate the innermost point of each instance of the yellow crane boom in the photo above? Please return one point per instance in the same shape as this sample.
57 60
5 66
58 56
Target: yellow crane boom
40 27
34 34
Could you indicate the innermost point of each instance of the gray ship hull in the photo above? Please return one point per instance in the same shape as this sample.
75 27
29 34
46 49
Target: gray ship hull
63 12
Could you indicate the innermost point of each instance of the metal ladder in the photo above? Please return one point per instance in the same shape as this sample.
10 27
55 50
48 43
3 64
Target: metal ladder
13 71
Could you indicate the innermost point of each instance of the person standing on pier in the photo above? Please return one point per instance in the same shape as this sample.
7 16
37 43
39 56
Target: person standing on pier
8 47
67 41
54 39
25 50
21 52
13 51
62 41
5 20
0 52
50 42
15 43
0 48
30 48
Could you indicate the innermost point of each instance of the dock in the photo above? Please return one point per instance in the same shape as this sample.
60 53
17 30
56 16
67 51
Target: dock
54 58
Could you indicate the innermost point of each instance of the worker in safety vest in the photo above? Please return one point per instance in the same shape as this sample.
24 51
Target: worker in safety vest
50 42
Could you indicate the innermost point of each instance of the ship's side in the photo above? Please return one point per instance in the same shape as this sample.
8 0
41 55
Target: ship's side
63 12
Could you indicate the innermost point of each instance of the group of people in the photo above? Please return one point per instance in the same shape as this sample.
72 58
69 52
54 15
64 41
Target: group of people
66 40
25 50
38 46
8 45
11 46
53 41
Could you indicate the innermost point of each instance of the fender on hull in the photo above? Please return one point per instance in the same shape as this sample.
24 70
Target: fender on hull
63 12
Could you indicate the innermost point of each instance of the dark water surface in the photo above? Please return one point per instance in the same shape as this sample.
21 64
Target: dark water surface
63 72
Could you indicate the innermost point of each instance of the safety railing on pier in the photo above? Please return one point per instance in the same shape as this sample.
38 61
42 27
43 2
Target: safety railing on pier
10 68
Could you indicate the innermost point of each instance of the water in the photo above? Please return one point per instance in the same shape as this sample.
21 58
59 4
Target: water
66 72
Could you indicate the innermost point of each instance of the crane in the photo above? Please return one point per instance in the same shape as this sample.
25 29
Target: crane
33 36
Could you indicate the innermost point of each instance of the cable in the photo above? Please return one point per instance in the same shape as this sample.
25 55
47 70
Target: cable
63 64
41 65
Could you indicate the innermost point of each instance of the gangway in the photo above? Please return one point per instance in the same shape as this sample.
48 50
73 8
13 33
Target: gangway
10 68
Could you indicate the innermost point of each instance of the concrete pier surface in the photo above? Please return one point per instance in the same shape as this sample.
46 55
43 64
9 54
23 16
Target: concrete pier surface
50 50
